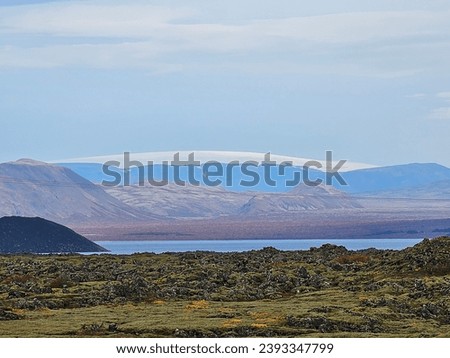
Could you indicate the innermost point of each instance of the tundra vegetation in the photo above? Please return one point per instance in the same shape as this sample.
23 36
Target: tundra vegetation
322 292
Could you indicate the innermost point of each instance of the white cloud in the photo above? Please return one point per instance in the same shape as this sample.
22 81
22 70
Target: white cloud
417 95
133 34
444 95
442 113
356 27
89 19
144 21
106 56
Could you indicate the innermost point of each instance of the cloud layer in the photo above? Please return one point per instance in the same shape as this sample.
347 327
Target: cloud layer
135 35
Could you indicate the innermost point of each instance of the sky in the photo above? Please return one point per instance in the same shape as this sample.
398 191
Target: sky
369 80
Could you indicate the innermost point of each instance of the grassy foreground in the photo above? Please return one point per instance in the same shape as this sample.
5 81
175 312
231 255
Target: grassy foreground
324 292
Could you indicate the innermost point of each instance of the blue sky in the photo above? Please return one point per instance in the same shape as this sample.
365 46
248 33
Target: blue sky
369 80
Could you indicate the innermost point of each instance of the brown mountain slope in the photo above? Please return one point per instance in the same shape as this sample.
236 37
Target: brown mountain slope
30 188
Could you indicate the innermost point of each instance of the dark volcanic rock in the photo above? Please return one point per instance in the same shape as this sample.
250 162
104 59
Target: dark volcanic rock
8 316
430 257
36 235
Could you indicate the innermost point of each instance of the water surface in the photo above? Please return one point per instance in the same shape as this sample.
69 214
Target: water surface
131 247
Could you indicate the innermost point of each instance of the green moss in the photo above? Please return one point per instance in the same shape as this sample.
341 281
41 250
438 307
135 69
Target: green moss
325 292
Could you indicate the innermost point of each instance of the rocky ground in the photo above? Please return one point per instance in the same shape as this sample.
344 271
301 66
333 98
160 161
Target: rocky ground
326 291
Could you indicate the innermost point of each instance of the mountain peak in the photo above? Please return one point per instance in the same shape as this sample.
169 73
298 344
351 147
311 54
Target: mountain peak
28 161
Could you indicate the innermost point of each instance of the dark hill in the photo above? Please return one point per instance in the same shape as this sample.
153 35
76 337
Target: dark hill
36 235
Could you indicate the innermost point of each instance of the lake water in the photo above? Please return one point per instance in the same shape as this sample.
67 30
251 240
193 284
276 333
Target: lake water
131 247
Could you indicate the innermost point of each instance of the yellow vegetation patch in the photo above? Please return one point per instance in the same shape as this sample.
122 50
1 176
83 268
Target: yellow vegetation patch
353 259
225 310
197 305
265 318
18 311
259 314
232 322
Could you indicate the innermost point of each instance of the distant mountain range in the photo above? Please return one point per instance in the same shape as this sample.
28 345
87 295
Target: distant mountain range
424 179
175 201
396 178
439 190
92 168
376 202
30 188
301 199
